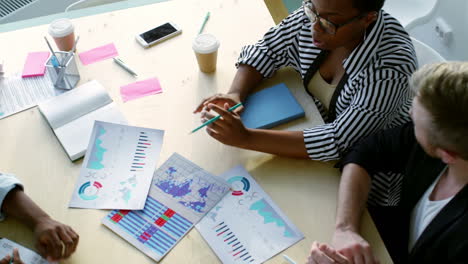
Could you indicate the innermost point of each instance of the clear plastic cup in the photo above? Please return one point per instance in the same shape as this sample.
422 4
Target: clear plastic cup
63 32
206 47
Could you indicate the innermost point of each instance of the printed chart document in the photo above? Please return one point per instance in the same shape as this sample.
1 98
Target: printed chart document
118 167
72 115
247 226
18 94
181 194
27 256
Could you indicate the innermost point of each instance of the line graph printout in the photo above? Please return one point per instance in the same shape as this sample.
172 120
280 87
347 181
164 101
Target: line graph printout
180 195
246 226
118 167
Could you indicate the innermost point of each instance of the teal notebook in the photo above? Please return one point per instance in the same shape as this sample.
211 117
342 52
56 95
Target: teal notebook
271 107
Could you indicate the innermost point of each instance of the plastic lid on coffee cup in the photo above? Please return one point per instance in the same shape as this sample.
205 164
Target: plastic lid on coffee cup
60 28
205 43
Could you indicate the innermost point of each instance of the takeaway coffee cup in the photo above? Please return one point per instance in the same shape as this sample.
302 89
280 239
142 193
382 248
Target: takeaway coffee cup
206 47
63 32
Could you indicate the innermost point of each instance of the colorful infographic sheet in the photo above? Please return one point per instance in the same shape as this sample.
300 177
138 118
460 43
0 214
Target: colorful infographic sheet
118 167
181 194
247 226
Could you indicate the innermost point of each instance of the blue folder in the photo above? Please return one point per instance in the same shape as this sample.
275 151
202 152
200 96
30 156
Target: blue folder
271 107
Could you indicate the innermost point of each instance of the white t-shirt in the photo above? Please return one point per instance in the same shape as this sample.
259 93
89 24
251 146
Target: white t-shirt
321 90
7 183
423 213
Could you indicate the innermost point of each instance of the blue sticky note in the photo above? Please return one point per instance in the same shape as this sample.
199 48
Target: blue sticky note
271 107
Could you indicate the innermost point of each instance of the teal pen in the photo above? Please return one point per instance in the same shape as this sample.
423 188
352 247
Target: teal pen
215 118
289 259
204 23
11 259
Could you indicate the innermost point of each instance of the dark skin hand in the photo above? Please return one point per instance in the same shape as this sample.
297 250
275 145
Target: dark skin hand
54 241
16 258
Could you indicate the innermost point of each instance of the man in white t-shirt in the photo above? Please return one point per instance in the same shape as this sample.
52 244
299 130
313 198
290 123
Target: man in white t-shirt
54 240
430 222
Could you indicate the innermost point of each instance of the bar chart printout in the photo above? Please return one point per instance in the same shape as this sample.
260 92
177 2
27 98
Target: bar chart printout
118 167
246 226
180 195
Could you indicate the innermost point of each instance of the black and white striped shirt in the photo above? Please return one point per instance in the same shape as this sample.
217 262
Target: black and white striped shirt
374 93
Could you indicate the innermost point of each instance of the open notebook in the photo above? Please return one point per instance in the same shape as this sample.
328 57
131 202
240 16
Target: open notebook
271 107
72 115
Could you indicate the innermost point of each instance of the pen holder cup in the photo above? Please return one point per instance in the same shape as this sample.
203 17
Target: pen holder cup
63 70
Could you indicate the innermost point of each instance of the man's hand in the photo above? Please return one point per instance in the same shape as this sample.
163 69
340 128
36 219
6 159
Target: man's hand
321 253
229 128
351 245
16 258
54 240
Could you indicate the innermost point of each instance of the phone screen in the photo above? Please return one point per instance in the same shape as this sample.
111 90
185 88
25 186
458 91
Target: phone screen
158 32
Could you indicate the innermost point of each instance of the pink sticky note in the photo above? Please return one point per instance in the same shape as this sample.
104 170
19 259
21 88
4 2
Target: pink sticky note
140 89
98 54
35 64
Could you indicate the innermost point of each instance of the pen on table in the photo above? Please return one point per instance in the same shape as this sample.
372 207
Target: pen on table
289 259
215 118
204 22
124 66
54 59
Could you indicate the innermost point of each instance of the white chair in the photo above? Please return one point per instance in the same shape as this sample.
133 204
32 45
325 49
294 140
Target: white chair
404 10
408 10
88 3
444 29
425 54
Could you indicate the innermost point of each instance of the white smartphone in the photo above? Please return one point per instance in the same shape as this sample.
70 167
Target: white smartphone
158 34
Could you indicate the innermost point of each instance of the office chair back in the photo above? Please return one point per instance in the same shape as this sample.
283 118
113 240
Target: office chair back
444 29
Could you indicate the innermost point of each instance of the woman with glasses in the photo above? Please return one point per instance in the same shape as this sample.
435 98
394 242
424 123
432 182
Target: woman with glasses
355 61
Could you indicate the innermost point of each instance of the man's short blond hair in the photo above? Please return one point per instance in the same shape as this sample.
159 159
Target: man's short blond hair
442 89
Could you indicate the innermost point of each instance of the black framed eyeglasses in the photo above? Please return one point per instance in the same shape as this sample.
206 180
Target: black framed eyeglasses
328 26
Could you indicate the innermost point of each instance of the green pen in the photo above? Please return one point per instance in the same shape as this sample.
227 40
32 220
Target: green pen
215 118
204 23
11 259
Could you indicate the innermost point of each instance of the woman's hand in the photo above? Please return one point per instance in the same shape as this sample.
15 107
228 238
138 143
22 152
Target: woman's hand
219 99
229 128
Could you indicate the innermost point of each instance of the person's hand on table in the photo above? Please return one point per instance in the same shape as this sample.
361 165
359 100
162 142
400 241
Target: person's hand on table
229 128
321 253
219 100
353 246
54 240
16 258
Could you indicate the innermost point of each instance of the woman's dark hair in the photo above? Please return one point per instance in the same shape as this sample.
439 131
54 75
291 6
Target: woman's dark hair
368 5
